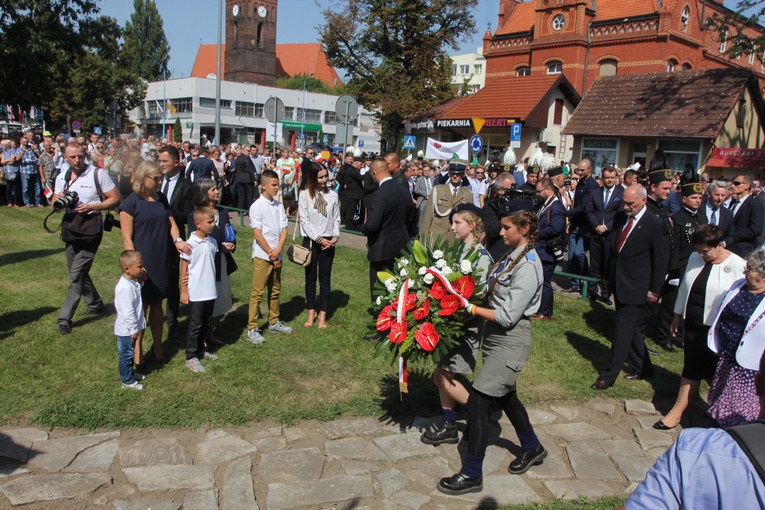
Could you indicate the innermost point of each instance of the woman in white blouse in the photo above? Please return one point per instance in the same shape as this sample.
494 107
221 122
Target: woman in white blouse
319 212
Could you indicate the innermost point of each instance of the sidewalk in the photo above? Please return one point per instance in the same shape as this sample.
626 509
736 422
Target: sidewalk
597 449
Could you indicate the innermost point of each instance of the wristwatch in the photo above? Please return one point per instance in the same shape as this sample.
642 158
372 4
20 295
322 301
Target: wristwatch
179 240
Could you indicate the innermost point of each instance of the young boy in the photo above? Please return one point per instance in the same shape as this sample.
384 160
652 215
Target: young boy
198 271
130 319
269 228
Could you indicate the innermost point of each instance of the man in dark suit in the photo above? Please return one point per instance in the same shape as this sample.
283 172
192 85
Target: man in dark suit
552 226
244 169
201 167
344 169
492 225
748 215
713 210
422 189
399 177
180 195
579 229
600 210
641 259
354 193
385 225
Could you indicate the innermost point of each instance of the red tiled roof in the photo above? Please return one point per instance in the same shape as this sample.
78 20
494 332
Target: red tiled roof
512 97
521 20
691 104
291 60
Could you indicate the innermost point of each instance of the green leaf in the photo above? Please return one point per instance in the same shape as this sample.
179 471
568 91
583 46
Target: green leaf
420 253
384 276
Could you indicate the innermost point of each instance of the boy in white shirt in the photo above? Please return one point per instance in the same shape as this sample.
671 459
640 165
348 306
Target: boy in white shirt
198 286
130 318
269 228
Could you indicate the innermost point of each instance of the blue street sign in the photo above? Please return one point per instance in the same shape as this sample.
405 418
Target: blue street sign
515 132
476 144
361 143
302 136
326 139
97 130
410 142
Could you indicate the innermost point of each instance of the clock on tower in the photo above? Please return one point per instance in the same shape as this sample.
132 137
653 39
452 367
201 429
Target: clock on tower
251 41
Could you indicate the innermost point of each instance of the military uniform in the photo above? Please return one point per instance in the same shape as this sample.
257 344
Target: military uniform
440 203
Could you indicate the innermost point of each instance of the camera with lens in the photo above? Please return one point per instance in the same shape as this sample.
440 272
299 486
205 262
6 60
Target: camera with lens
516 193
567 182
556 246
110 222
68 200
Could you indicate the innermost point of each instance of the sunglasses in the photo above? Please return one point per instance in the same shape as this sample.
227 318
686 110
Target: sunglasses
737 183
155 178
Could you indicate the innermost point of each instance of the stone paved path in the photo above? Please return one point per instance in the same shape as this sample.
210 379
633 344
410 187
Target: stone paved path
597 449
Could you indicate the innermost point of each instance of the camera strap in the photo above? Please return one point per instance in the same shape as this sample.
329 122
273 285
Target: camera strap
45 224
68 175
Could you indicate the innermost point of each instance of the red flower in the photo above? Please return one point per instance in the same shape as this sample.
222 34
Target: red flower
385 319
422 311
398 332
465 286
410 301
427 337
438 291
449 305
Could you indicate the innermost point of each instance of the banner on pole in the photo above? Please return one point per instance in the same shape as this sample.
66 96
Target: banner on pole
447 150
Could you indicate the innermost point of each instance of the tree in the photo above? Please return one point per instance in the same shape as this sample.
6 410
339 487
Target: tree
177 130
741 29
146 51
393 52
311 84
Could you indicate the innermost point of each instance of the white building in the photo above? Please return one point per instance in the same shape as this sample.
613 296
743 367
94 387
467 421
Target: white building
192 100
470 67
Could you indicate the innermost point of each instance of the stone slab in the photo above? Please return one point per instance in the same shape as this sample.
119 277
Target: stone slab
292 465
347 428
621 447
569 413
576 431
293 434
16 443
357 467
238 491
436 467
647 422
216 434
410 499
97 459
153 452
541 417
337 488
56 454
588 460
552 467
424 479
11 467
391 481
652 438
634 468
574 489
605 408
421 424
638 407
404 446
29 489
353 448
270 444
200 500
178 476
147 503
223 449
500 489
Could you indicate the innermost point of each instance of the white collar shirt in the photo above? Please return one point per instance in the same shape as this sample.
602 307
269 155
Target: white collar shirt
267 216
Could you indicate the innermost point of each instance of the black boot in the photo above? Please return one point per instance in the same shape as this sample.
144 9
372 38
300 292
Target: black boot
460 484
445 434
527 460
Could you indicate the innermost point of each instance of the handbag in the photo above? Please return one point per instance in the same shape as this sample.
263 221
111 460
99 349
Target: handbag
81 228
229 236
11 176
297 253
288 192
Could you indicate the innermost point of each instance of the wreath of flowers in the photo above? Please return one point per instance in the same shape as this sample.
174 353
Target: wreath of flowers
418 306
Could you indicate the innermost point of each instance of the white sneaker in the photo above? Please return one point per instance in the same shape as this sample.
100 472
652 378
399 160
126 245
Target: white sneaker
195 365
135 386
279 327
255 337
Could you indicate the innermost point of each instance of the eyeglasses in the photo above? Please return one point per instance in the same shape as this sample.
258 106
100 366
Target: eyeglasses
309 153
737 183
155 178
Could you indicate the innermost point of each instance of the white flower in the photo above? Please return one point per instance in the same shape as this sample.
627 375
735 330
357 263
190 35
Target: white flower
440 263
438 254
403 273
466 267
422 271
447 271
403 263
390 284
428 278
378 301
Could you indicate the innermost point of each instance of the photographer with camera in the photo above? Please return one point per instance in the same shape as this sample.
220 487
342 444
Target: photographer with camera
549 246
85 192
493 240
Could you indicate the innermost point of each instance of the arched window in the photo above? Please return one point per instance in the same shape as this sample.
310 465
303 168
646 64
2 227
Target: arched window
524 71
671 64
608 67
685 19
555 67
687 67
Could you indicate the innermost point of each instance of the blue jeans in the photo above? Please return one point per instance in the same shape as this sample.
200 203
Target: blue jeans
577 255
126 347
31 181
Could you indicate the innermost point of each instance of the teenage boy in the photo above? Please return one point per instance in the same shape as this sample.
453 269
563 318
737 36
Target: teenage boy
130 318
198 286
269 228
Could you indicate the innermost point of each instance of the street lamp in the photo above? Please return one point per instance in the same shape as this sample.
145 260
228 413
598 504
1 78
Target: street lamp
218 78
302 122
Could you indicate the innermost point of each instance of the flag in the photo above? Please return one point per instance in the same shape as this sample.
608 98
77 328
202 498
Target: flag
9 111
21 113
32 113
159 107
170 108
446 150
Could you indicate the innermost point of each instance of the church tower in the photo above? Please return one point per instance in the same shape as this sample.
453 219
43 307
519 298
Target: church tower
251 41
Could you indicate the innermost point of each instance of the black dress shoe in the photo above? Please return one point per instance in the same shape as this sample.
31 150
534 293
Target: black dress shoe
64 329
667 347
605 300
445 434
678 343
527 460
651 351
637 377
659 425
600 385
460 484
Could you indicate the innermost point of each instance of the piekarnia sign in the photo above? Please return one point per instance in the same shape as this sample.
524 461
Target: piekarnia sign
454 123
477 124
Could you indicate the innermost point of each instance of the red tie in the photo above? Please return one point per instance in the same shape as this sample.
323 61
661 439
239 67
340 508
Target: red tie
625 233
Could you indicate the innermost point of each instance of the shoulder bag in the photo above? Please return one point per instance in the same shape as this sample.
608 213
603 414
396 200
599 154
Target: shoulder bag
82 228
297 253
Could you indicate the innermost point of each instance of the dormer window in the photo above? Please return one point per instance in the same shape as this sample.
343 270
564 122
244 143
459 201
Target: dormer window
685 19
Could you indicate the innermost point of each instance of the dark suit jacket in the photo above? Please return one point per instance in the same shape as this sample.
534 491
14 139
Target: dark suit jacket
724 218
684 223
244 169
577 213
594 211
747 227
353 184
643 262
202 168
386 223
182 203
552 223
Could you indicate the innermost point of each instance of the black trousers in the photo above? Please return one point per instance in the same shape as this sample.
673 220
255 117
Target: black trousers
352 208
200 313
628 344
600 258
374 267
546 304
245 193
173 293
479 411
667 313
321 266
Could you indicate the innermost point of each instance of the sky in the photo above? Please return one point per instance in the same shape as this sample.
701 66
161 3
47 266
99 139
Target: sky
189 23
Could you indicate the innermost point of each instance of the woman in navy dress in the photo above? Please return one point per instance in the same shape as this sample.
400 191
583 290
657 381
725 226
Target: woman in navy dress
148 226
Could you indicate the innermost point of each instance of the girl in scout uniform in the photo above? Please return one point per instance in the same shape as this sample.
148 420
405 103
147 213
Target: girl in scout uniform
514 293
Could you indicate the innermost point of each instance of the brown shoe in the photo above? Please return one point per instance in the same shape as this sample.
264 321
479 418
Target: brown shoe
600 385
540 317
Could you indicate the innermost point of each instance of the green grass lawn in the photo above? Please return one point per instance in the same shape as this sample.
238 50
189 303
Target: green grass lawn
72 381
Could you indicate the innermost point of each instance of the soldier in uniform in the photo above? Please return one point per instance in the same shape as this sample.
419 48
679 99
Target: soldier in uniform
441 201
532 176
